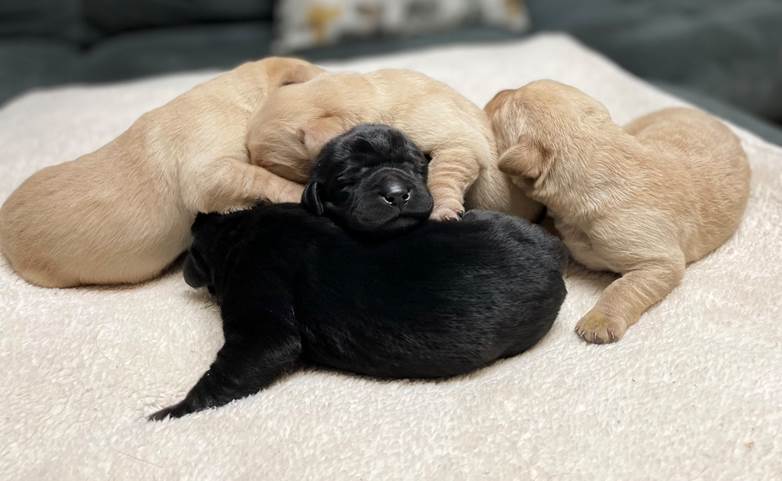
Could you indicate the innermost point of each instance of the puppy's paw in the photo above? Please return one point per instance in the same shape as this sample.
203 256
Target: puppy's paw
597 328
290 192
173 412
446 214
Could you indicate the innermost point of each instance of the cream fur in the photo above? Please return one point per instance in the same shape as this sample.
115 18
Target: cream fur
642 201
295 123
121 214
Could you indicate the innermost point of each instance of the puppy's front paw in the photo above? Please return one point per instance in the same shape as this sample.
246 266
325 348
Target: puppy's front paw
446 214
290 193
597 328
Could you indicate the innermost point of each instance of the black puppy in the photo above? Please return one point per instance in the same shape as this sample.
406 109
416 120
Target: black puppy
439 299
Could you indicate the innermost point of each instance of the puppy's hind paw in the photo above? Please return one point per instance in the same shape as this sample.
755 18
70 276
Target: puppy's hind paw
173 412
446 214
597 328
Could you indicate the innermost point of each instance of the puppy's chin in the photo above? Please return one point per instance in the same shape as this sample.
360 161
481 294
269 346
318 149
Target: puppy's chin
401 224
379 220
391 227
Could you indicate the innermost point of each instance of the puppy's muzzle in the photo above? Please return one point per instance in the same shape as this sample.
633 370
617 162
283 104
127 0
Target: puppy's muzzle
391 200
394 187
395 192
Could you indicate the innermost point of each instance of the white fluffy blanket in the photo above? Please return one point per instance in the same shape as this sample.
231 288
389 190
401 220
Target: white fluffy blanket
693 391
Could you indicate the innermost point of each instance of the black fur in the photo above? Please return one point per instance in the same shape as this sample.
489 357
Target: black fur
438 300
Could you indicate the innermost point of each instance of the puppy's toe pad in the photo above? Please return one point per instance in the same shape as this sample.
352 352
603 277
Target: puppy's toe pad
597 328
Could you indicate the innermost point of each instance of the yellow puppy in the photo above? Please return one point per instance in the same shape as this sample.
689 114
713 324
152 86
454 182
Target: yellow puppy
296 122
642 201
122 213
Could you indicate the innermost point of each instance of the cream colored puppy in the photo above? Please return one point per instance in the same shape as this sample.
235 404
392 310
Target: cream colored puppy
642 201
296 122
121 214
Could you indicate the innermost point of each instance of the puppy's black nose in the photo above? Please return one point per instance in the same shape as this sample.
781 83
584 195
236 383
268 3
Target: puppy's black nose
395 193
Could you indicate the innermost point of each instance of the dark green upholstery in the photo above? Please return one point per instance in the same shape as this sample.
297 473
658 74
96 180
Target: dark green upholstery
728 49
60 20
51 42
716 53
120 15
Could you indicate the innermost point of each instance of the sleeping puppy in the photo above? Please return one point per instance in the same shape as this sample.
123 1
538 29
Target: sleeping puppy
372 182
123 213
295 124
396 297
642 201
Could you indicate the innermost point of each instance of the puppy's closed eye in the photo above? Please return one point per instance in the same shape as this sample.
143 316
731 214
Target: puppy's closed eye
317 132
341 195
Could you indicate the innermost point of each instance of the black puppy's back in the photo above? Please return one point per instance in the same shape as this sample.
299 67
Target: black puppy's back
442 300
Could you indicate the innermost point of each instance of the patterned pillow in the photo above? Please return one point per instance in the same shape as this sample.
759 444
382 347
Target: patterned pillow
312 23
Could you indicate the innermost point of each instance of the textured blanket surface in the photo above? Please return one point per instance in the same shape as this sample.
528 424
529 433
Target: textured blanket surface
693 391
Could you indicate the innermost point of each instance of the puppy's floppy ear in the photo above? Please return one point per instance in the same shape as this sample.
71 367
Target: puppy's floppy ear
286 71
525 159
205 221
311 198
301 73
195 271
497 101
317 132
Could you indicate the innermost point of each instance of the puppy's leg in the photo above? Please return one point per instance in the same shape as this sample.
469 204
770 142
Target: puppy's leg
231 183
451 172
624 301
261 343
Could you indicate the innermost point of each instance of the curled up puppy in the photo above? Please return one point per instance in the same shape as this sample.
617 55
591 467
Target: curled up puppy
296 123
123 213
357 279
642 201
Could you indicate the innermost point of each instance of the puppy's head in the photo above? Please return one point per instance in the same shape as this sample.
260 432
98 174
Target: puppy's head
542 123
292 126
371 180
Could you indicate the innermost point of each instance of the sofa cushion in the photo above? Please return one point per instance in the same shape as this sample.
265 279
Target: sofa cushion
726 49
118 15
34 62
142 53
61 19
